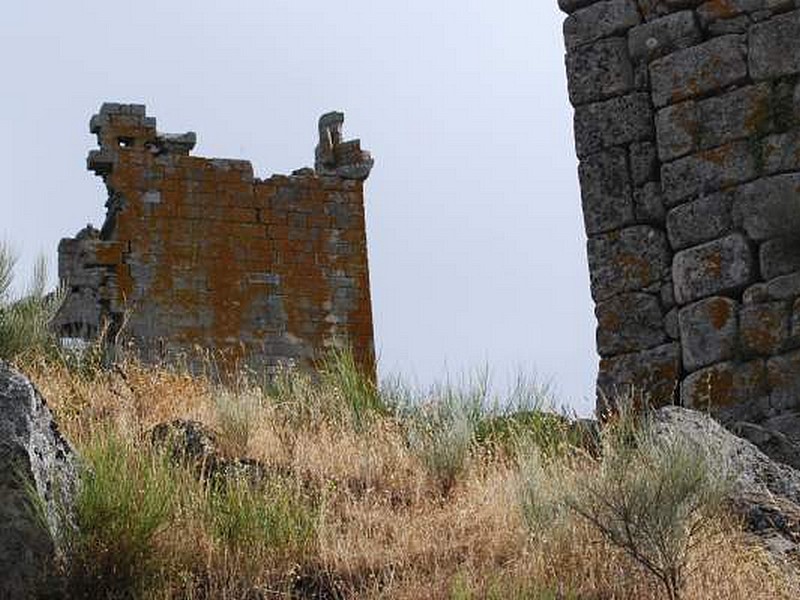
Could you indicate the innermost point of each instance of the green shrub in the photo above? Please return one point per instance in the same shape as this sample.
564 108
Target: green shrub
274 517
126 498
654 497
25 321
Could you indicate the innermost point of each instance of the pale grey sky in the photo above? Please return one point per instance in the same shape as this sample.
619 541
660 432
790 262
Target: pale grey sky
476 241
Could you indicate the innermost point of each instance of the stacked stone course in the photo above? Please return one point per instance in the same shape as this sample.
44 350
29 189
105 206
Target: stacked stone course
197 253
687 127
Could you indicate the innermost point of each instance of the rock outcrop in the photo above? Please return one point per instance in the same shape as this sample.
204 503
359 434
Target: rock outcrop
765 493
38 477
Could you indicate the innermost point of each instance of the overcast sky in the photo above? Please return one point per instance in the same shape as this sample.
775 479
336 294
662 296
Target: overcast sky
476 242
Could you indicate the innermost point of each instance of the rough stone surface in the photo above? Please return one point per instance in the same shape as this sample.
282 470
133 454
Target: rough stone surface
613 122
764 492
727 387
773 47
779 256
33 455
628 260
663 36
770 207
695 71
629 323
599 20
197 252
764 328
708 171
653 373
709 332
711 133
599 71
606 191
700 221
723 266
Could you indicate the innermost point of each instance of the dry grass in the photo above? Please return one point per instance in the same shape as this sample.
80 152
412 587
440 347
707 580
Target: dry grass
352 511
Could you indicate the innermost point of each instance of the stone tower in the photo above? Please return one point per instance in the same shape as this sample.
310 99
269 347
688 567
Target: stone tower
197 253
687 127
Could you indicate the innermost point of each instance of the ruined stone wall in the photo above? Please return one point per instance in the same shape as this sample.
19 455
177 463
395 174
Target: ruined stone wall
687 126
198 253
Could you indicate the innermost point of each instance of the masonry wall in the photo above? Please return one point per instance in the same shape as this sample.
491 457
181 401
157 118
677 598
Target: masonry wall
687 126
197 253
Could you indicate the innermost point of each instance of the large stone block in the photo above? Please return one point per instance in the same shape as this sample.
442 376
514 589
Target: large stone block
644 163
708 171
648 204
653 373
769 207
723 266
779 257
775 47
615 122
726 385
627 261
629 323
599 71
699 125
599 20
700 221
663 36
709 332
695 71
780 152
764 328
606 191
783 375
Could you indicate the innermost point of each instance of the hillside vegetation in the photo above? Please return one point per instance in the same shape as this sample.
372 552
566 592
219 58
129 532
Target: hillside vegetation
350 491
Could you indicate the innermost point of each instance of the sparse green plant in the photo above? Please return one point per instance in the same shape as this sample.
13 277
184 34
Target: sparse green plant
25 321
654 496
125 499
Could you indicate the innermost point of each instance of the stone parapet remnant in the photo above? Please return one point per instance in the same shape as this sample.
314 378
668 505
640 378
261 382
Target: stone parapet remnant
687 127
197 253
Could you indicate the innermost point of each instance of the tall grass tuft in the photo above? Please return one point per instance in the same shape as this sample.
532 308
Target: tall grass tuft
126 498
25 321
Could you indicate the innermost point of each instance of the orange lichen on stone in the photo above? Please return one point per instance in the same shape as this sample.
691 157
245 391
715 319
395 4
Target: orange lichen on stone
196 252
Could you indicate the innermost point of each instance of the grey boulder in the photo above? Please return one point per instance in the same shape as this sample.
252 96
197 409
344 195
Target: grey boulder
38 479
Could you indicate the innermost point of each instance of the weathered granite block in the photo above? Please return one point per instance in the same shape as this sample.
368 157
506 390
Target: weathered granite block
629 323
779 257
725 385
599 71
663 36
569 6
709 171
599 20
699 125
628 260
709 332
606 191
783 376
648 204
698 70
705 219
644 162
769 208
654 373
773 47
615 122
779 152
764 328
723 266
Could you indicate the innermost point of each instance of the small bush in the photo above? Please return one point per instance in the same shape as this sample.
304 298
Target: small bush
654 497
25 321
125 500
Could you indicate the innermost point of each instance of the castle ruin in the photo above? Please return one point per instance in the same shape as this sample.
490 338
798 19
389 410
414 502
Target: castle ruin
687 127
197 253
